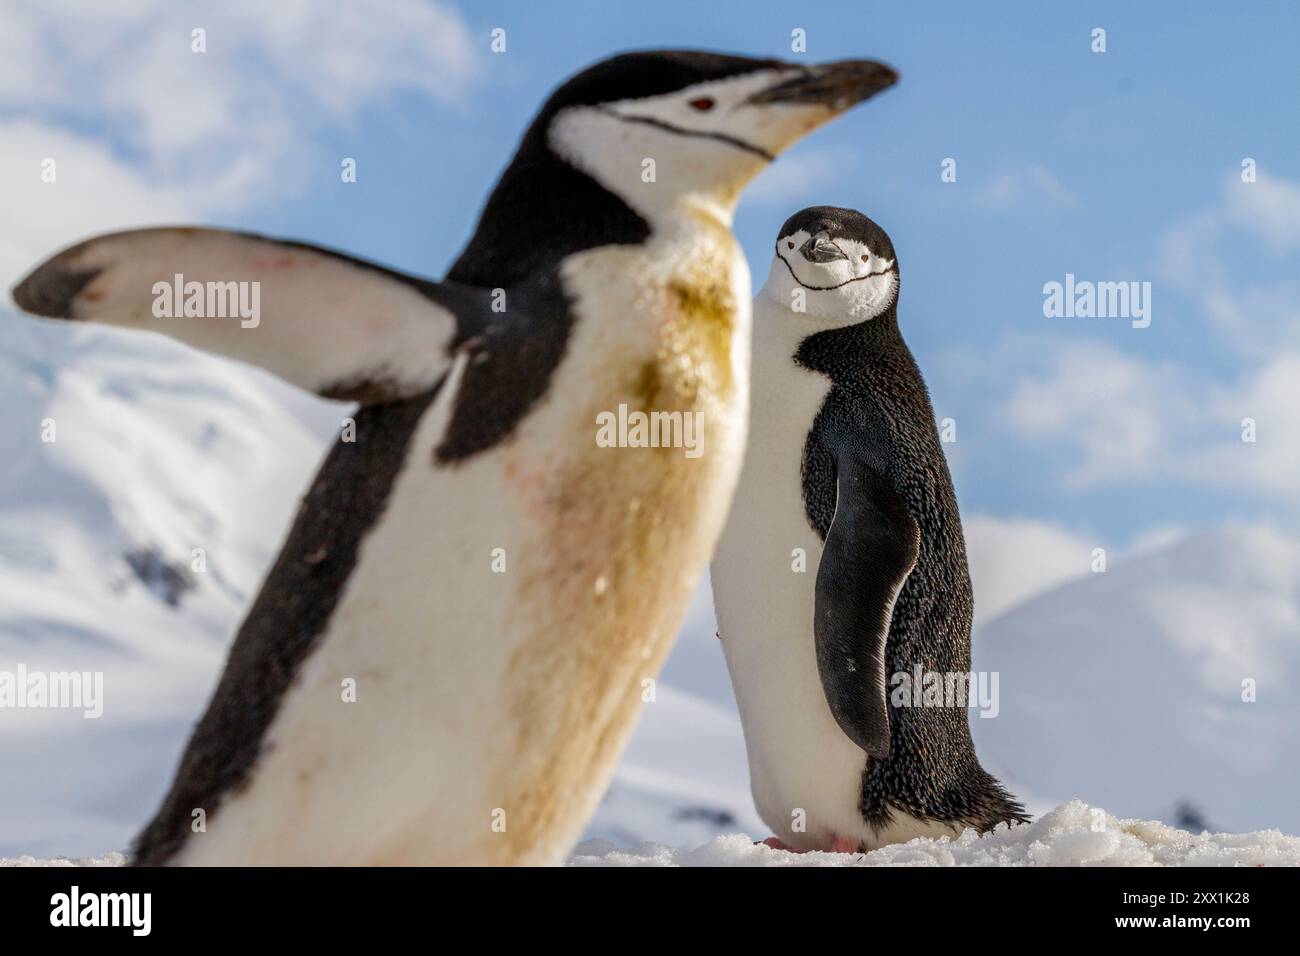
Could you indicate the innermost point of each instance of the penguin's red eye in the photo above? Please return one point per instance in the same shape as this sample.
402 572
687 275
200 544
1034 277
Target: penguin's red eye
702 103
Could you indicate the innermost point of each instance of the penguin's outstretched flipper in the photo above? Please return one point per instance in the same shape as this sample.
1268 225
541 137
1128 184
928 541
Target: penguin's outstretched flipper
871 548
326 322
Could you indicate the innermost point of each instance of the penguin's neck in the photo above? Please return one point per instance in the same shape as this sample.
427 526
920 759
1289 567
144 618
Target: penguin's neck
541 211
850 350
551 204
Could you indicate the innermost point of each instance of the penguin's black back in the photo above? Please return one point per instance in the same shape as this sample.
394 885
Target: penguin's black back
879 402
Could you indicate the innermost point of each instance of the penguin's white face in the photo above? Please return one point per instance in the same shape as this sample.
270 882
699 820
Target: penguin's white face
835 278
706 140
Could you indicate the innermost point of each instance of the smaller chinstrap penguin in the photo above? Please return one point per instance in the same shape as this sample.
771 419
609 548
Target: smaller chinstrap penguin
843 567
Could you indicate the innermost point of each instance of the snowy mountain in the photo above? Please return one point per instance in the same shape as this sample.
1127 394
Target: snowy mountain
1122 688
124 454
1126 687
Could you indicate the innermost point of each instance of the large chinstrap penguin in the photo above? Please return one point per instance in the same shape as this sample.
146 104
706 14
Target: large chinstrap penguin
842 572
494 584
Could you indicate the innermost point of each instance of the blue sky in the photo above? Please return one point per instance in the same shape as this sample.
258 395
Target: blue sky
1115 166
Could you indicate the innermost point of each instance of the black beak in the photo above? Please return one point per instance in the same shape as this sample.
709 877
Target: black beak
836 86
820 248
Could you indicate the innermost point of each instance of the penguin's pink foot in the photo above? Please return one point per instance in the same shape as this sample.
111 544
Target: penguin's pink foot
778 844
841 844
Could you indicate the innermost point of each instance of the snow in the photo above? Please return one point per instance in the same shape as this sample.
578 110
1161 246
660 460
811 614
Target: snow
108 859
157 450
1126 687
683 779
1073 834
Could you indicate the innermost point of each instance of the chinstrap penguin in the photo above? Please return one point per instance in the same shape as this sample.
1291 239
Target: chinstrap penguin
496 585
842 563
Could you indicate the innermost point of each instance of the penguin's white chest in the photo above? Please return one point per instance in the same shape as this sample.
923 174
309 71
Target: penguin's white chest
804 772
506 612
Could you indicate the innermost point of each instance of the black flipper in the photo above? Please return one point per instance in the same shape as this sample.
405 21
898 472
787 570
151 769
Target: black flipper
870 549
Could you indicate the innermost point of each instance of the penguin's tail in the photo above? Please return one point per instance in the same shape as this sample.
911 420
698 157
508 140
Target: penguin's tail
997 805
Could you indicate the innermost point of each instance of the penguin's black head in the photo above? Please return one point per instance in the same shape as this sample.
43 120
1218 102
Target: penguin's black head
635 139
654 125
834 264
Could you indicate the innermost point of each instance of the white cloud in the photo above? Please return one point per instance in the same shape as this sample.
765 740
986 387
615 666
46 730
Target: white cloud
218 122
1255 316
1029 186
1270 395
1015 188
1269 208
1117 409
94 191
1133 420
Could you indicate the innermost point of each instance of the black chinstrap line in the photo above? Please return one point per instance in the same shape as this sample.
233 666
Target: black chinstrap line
680 131
828 288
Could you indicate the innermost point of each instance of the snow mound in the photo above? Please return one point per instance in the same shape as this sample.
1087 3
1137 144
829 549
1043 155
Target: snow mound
108 859
155 451
1073 834
1167 680
682 779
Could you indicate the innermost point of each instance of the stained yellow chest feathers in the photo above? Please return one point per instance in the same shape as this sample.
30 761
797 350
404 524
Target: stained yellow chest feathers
658 358
698 311
624 484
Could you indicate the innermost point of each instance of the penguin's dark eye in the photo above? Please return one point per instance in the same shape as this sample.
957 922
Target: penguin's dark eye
789 244
702 103
864 258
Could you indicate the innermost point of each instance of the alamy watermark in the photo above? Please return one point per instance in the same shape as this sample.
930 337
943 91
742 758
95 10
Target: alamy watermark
638 429
22 689
133 911
209 300
922 688
1103 300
